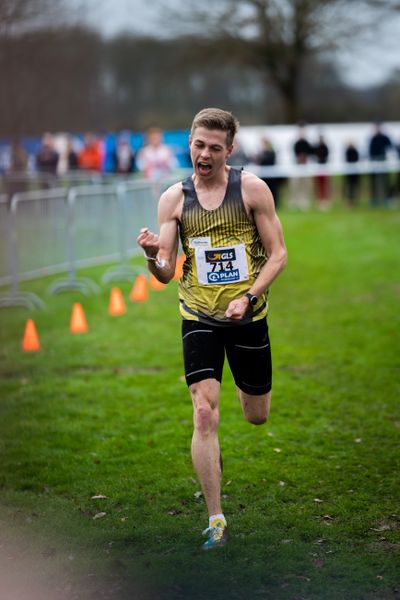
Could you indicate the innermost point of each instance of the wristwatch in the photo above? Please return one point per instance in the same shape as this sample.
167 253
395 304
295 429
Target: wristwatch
252 299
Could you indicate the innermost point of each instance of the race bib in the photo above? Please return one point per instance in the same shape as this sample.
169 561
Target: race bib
217 266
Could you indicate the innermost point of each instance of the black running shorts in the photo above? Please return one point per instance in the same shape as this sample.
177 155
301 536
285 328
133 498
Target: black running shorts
247 349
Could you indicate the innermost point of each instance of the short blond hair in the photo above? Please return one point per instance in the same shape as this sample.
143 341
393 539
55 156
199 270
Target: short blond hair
216 118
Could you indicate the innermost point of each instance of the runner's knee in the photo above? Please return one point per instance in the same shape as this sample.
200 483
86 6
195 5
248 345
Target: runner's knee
206 418
258 419
206 414
255 408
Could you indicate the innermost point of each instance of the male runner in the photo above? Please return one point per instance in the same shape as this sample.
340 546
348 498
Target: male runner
234 248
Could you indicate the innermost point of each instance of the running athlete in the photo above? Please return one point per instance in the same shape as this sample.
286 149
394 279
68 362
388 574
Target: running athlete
234 248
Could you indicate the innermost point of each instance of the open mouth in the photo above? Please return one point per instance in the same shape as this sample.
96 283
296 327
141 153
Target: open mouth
203 168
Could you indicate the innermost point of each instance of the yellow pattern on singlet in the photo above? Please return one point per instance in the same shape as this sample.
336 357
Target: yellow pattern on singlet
225 227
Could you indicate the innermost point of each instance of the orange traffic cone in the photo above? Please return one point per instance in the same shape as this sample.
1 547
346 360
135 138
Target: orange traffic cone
117 303
139 292
179 266
78 322
155 284
30 342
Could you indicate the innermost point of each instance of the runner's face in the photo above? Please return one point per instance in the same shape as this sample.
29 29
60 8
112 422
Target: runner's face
208 151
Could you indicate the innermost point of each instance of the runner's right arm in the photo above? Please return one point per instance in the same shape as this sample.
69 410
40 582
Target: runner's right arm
161 250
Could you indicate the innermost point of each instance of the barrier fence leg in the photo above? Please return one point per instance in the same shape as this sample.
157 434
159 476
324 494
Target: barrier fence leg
72 283
15 297
123 271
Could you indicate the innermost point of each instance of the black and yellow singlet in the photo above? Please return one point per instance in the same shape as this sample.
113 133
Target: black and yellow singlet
224 255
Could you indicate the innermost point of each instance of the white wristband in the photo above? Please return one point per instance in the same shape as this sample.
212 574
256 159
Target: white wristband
152 258
160 264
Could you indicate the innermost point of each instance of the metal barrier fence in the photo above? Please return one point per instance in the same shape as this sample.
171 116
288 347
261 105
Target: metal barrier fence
13 182
32 227
49 231
58 230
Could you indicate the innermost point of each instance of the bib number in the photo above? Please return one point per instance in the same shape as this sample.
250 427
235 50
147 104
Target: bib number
217 266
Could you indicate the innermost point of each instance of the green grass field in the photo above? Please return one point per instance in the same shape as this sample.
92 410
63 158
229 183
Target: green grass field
311 498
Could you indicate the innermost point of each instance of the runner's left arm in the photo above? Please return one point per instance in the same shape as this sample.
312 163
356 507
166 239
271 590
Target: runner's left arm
259 200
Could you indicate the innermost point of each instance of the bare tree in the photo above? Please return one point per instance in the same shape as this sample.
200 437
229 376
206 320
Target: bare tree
17 16
278 37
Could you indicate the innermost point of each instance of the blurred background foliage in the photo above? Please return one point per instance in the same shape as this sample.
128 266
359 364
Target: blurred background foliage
268 61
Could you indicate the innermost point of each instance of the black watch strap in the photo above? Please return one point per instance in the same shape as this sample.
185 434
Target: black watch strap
252 299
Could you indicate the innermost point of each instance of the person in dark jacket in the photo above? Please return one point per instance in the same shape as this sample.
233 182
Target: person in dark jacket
124 157
379 145
267 158
322 188
47 158
351 180
300 185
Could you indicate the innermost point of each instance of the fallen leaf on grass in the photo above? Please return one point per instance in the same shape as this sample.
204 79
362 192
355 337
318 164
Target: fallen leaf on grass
174 512
387 526
99 515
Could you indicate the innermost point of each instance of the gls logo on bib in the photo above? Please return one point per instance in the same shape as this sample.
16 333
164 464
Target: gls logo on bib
217 256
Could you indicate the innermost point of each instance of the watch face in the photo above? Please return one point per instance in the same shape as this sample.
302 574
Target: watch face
252 299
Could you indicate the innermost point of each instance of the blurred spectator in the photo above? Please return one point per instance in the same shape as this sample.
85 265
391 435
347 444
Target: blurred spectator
4 159
351 180
15 179
72 155
267 158
90 158
156 159
322 188
238 158
18 157
302 148
123 156
300 186
379 145
47 158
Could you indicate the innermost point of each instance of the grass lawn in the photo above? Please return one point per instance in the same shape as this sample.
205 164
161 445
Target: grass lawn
312 498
